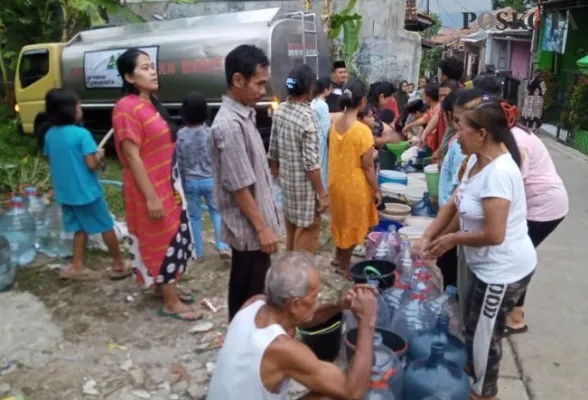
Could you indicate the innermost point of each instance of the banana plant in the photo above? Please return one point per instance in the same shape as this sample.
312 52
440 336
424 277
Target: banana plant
350 24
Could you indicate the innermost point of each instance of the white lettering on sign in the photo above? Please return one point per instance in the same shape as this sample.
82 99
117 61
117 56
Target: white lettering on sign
300 53
100 67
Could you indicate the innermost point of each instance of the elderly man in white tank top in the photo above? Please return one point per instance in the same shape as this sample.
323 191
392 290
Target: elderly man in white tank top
260 353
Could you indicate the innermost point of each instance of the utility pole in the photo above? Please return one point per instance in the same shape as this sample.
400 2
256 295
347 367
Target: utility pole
428 10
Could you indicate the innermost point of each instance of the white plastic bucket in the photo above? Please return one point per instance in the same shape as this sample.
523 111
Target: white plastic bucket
394 190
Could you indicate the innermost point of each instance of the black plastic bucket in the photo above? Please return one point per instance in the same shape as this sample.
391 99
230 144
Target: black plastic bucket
380 270
387 159
325 339
389 339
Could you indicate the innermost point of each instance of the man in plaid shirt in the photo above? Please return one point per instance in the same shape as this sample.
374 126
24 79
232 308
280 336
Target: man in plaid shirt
294 157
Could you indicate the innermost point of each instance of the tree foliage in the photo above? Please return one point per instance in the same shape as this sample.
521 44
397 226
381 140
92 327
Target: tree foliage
517 5
434 29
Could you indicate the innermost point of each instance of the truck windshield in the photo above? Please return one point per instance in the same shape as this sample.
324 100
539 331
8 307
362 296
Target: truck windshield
34 65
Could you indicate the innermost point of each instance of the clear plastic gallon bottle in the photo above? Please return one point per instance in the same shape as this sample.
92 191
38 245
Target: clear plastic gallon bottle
36 208
7 271
55 242
387 379
18 227
419 347
424 378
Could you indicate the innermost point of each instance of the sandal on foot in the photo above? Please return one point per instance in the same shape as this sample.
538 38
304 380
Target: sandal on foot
117 275
509 331
179 315
335 263
75 275
185 296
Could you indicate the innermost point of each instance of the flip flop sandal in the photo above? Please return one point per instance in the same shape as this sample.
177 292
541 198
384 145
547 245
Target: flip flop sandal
83 275
163 313
186 297
114 275
335 263
508 331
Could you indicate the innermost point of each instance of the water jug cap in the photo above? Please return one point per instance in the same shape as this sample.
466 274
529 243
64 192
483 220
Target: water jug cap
451 290
392 229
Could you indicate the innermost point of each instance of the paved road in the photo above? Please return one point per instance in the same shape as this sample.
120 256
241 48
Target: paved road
550 361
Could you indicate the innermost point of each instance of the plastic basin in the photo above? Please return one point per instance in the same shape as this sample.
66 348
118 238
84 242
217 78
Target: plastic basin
393 190
398 148
384 272
325 339
390 176
432 178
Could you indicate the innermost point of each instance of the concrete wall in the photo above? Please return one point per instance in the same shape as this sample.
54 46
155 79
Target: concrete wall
387 51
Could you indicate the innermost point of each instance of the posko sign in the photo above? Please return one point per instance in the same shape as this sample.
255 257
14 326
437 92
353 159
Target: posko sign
513 20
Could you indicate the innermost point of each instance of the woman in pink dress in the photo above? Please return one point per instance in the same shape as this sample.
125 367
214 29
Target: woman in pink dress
159 230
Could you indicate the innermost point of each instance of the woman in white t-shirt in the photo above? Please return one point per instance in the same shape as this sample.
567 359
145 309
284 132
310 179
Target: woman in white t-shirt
488 217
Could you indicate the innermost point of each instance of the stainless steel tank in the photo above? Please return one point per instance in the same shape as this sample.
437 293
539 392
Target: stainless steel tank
189 53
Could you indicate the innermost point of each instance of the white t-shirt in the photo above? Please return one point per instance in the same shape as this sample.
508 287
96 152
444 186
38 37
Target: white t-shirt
515 257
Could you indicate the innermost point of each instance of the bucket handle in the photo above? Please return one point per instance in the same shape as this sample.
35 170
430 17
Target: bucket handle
369 268
321 331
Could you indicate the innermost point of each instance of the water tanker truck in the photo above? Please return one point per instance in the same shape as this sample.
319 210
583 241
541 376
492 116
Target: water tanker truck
189 56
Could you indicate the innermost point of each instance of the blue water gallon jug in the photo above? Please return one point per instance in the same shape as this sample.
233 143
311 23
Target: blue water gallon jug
7 271
18 227
424 378
419 346
387 378
36 208
55 242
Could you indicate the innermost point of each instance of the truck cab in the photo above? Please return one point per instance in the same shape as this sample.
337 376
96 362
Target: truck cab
38 71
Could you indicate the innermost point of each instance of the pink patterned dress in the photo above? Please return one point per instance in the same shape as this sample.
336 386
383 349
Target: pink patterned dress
160 249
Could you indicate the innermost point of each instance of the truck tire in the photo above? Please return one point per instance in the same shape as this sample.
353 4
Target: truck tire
40 128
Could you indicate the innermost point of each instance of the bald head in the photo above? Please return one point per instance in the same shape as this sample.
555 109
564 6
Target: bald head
292 275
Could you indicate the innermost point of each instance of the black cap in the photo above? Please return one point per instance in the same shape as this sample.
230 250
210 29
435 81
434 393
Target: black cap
339 64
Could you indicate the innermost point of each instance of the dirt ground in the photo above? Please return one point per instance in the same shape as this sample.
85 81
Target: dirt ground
103 340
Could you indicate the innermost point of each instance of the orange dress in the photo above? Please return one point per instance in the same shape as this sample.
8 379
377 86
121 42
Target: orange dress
160 249
351 199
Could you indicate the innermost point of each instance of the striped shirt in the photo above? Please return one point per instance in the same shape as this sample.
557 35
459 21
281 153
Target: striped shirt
294 144
239 161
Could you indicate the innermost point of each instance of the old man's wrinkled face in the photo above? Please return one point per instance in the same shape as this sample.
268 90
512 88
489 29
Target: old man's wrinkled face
303 308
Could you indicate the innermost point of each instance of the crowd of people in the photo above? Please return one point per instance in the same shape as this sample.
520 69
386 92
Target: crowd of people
499 195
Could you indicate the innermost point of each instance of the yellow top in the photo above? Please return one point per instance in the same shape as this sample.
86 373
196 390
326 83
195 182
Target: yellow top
351 197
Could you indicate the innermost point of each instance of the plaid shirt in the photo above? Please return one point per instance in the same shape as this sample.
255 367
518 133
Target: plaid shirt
239 161
294 144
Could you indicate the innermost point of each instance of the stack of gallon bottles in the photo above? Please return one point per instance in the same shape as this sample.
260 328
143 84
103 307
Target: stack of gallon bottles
428 321
27 227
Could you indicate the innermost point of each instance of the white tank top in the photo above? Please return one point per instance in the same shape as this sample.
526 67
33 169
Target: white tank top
237 374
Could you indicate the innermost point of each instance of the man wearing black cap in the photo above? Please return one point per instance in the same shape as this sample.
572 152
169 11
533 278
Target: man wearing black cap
339 79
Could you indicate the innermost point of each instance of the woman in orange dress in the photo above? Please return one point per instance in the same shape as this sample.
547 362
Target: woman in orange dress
353 188
160 235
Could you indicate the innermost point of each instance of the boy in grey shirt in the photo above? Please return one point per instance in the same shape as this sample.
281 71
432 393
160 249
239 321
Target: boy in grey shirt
193 150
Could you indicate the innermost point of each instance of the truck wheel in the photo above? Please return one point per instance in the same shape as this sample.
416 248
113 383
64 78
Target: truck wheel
40 128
